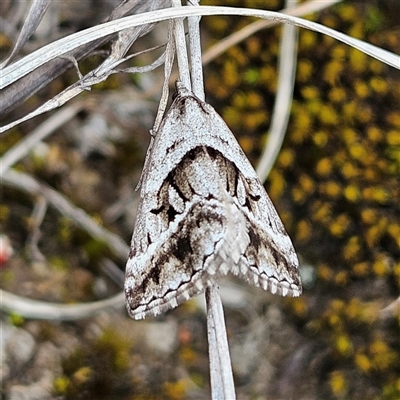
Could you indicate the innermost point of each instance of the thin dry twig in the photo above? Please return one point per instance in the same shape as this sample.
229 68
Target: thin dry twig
29 185
392 310
283 100
35 15
36 309
221 375
181 52
223 45
29 308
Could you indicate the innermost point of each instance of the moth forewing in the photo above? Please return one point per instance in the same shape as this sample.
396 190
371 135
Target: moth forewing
203 212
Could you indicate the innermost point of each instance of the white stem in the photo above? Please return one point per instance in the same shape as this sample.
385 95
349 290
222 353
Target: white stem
169 61
181 52
222 384
195 54
221 376
45 310
280 116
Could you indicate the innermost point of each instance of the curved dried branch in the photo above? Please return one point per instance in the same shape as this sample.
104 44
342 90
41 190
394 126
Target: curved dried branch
62 46
283 100
29 308
27 184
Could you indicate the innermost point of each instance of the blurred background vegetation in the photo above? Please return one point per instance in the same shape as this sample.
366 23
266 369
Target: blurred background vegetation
336 185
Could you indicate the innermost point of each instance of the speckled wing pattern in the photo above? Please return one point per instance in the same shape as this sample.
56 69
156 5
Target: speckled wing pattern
203 212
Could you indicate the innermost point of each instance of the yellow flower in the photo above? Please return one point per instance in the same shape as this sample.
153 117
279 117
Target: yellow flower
320 138
344 345
342 278
305 70
332 189
304 230
338 383
369 216
349 136
378 84
361 89
332 71
310 92
175 390
349 110
348 13
374 133
253 46
352 248
306 183
286 158
339 51
328 115
307 39
324 167
358 151
254 100
337 95
375 66
324 272
349 170
393 138
381 266
277 185
298 195
300 307
339 225
372 236
393 118
352 193
358 60
362 362
361 269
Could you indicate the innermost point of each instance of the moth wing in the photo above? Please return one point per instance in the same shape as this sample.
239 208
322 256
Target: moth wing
185 236
241 226
268 259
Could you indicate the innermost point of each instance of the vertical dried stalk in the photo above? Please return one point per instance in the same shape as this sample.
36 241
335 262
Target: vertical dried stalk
221 377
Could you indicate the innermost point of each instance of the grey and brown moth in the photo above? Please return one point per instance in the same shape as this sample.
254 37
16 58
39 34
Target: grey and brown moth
203 212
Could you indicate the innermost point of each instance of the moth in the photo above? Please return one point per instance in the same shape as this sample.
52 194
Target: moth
203 212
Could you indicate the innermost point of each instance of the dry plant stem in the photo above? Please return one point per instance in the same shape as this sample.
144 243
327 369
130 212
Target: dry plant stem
62 46
391 311
169 60
223 45
29 308
283 101
35 15
36 309
29 185
195 54
98 75
222 384
38 214
221 376
34 60
181 52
